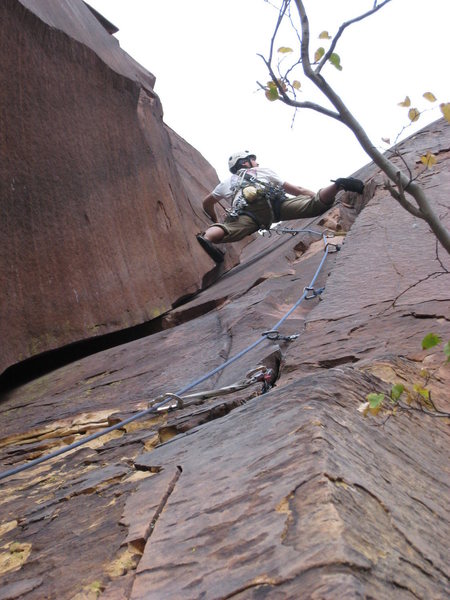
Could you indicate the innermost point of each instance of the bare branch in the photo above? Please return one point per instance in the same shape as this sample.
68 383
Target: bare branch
313 106
395 152
341 30
401 199
438 413
294 103
281 14
276 80
304 46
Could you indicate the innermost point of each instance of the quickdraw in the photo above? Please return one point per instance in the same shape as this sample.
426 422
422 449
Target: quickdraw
294 232
170 402
336 247
274 335
314 293
325 234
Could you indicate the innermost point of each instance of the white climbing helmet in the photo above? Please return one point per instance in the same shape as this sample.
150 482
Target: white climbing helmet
236 157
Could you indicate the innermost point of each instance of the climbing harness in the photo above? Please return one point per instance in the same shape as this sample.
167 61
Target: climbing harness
248 189
177 397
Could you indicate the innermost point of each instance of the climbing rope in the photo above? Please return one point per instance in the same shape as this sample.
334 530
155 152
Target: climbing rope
176 398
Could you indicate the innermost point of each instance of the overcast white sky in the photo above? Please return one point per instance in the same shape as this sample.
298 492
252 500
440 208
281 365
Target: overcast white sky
203 54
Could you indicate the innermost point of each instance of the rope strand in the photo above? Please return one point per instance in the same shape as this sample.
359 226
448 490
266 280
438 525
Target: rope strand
186 388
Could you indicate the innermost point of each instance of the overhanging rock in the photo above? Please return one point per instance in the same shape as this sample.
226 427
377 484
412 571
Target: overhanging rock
100 200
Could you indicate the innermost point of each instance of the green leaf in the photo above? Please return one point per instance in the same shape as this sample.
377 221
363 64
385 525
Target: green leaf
422 391
375 400
284 50
272 94
324 35
296 85
318 54
447 351
272 91
375 403
396 391
335 60
430 340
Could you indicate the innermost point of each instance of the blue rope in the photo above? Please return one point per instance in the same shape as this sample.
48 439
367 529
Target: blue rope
154 407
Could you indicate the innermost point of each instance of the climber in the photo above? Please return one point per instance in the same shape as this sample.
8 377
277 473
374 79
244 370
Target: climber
258 198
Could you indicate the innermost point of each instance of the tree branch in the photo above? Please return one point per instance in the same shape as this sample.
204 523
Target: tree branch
313 106
401 199
281 15
294 103
430 216
304 46
341 30
343 115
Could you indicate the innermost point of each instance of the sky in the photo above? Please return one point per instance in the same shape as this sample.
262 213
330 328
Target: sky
204 55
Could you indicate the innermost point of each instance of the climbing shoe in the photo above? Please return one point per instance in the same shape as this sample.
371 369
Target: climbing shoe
349 184
214 252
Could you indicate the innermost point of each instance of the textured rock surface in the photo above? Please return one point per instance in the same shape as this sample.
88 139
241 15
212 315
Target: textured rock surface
290 494
100 200
276 499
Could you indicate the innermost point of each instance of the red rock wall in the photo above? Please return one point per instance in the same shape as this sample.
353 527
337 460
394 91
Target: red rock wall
97 228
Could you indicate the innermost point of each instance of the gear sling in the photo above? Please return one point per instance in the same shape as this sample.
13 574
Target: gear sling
272 194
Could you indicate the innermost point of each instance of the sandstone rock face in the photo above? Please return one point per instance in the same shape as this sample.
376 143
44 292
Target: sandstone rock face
288 494
100 201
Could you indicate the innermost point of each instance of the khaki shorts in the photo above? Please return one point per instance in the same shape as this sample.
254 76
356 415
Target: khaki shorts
300 207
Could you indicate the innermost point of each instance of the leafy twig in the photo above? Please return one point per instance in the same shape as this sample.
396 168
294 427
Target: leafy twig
341 30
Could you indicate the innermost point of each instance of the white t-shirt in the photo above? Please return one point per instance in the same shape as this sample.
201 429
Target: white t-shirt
228 189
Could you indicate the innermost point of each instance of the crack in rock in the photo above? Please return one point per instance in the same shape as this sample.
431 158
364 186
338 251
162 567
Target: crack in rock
140 525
